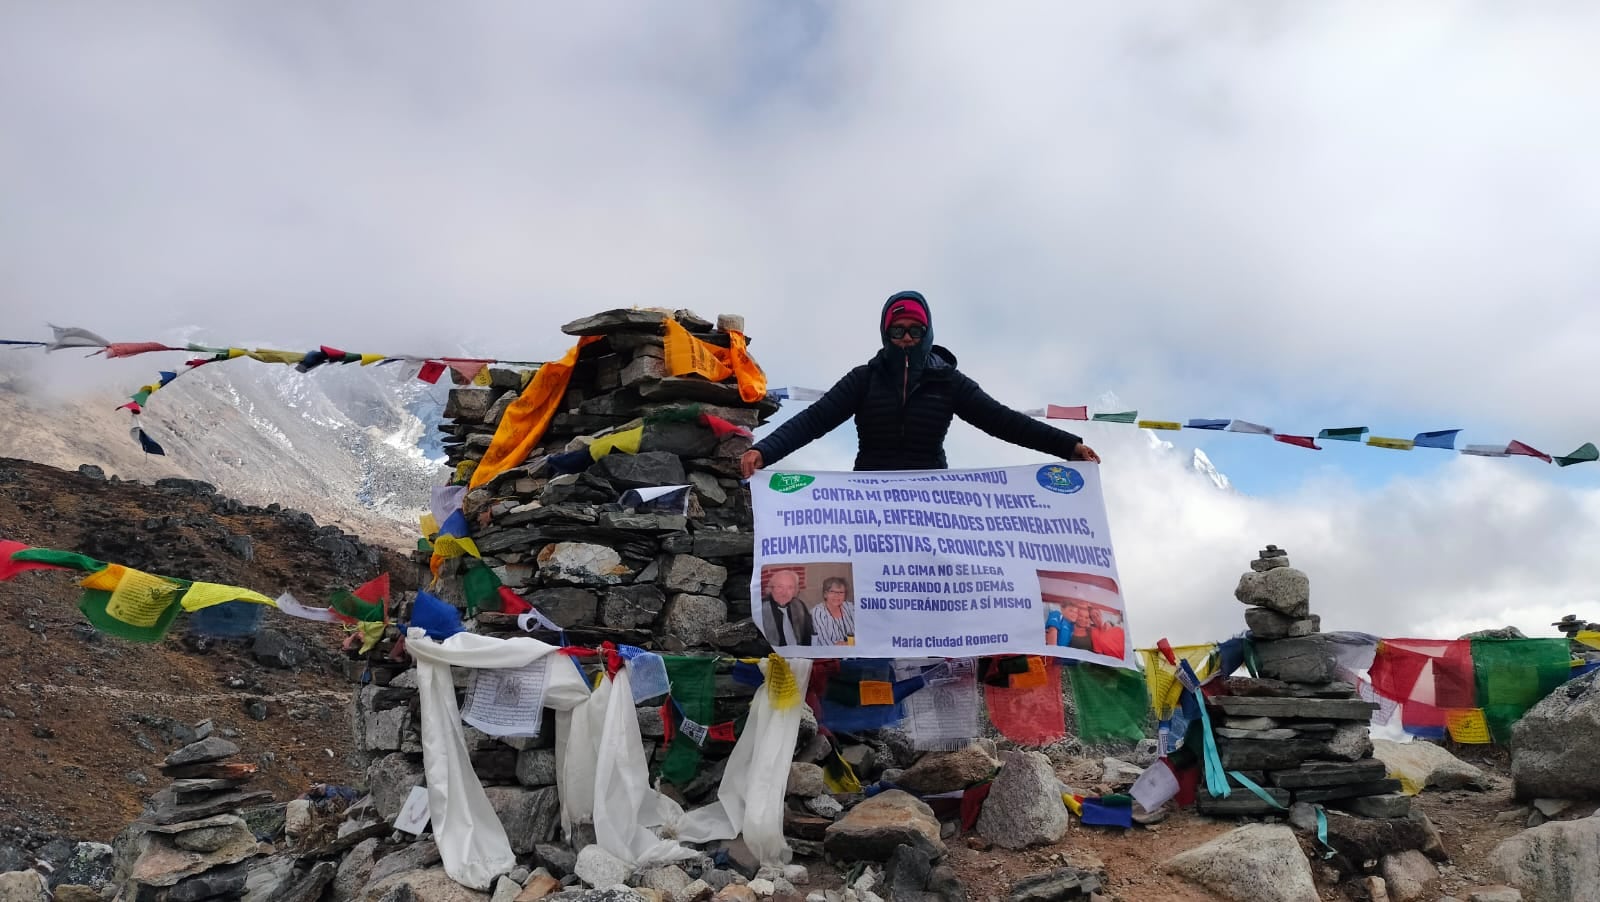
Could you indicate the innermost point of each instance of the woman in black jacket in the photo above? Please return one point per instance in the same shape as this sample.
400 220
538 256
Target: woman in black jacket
903 401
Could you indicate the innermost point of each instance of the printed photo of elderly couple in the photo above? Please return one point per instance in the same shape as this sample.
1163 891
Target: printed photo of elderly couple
808 604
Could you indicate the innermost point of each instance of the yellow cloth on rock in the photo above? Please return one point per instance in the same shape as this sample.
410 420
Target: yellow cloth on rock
204 595
626 441
526 420
686 354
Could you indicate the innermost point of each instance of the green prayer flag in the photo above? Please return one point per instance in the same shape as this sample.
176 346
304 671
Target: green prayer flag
481 587
69 559
1127 416
693 682
1587 453
1111 703
1512 675
347 604
1344 434
93 605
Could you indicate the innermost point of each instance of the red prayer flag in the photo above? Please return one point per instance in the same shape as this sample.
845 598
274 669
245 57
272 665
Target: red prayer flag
130 348
431 371
332 353
374 591
10 568
1057 412
1029 716
722 428
512 603
722 732
1527 451
1303 441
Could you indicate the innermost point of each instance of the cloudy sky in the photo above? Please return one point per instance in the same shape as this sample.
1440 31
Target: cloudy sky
1304 216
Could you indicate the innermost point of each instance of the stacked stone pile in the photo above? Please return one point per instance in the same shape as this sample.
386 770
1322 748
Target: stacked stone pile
192 844
1295 729
663 579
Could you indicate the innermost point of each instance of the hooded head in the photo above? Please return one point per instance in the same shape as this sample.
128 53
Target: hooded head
906 305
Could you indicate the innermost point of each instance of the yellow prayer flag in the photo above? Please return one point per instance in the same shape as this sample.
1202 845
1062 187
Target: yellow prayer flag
626 442
1072 803
141 598
429 525
781 686
269 356
482 377
453 546
370 359
204 595
1159 424
1590 638
1162 678
236 353
371 631
1467 726
468 468
1393 444
877 692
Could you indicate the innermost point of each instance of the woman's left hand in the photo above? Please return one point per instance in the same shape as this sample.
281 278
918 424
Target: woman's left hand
1084 452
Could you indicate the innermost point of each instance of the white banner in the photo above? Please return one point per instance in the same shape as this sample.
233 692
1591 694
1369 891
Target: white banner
947 563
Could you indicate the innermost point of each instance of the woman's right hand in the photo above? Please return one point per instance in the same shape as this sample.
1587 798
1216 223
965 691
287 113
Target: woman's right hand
749 462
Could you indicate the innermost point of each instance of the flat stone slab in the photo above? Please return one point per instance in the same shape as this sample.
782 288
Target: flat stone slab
1329 773
616 321
211 748
1250 754
1241 802
1348 791
1313 708
1389 804
1274 735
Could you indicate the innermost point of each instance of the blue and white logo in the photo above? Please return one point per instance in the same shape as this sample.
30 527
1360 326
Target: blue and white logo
1057 478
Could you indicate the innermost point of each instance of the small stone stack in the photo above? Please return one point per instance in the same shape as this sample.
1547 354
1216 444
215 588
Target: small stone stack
192 844
662 579
1294 729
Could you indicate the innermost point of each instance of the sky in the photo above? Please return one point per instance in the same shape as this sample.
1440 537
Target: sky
1300 215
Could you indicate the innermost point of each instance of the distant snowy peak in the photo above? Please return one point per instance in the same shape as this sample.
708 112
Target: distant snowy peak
1202 464
1199 462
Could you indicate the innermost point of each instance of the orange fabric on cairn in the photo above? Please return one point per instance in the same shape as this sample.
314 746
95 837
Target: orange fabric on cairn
528 417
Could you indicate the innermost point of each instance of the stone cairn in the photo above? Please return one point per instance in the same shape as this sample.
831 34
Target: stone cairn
672 581
192 843
1294 729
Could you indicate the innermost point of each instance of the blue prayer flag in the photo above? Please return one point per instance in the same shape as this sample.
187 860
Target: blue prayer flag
1207 424
1442 438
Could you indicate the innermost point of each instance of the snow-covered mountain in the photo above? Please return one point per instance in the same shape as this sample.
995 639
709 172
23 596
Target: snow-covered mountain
350 445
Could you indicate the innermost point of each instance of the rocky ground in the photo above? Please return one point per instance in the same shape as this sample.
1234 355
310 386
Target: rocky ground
84 717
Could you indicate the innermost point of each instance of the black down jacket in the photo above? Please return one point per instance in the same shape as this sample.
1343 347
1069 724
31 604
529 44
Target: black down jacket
903 412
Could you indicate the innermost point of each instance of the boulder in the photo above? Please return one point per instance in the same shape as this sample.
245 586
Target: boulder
600 869
806 781
1283 589
1307 659
1265 623
91 864
276 648
1409 875
1024 806
529 815
566 606
1554 862
1351 742
643 470
355 870
1255 863
938 772
537 767
872 829
581 563
694 619
1552 751
23 886
632 607
1419 765
390 780
268 878
687 573
407 859
432 885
